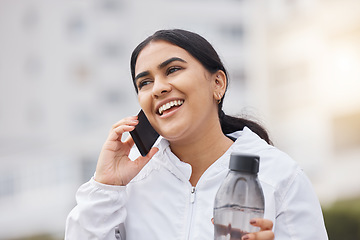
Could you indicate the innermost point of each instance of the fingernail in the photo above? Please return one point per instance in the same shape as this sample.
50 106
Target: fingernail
252 221
246 237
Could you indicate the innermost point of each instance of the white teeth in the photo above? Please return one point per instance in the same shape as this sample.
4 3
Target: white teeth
169 105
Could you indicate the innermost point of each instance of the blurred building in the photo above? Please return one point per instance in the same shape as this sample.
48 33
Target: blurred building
65 79
313 80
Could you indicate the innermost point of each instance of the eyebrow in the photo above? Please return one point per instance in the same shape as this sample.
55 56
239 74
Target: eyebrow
170 60
140 75
161 65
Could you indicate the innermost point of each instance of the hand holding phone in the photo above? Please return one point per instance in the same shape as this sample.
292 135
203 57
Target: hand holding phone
114 167
144 135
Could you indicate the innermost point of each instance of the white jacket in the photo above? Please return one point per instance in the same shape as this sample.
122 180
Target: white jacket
160 203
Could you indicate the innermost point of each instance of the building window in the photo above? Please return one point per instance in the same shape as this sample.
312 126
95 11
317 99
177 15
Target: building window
7 185
111 50
76 25
234 32
111 6
30 18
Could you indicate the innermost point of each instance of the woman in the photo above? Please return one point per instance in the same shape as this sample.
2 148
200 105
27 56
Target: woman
169 194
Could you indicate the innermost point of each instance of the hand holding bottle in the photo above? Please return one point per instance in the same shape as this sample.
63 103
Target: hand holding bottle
265 232
240 200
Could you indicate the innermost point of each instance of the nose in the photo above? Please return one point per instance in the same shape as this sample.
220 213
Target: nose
160 87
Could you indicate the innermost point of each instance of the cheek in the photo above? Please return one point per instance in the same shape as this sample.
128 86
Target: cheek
201 90
144 101
192 83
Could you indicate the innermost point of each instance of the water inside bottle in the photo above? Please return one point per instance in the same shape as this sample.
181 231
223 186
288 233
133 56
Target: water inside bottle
233 221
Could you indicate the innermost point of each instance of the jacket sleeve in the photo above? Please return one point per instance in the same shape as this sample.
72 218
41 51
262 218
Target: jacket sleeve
300 215
100 213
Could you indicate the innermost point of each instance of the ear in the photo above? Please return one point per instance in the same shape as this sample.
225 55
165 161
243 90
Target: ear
219 84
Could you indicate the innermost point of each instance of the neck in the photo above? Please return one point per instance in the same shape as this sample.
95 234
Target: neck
202 150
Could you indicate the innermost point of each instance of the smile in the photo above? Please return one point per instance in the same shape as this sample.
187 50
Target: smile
169 105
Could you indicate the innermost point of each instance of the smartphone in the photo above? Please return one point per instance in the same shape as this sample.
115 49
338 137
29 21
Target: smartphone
144 134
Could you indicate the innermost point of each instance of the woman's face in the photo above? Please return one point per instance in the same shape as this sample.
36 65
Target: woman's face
175 91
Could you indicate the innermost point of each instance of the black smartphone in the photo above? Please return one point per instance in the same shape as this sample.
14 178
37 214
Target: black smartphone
144 134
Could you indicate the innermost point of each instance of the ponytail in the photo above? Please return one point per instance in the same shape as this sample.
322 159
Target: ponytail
231 124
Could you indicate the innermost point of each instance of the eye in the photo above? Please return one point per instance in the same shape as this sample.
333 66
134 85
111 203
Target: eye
172 70
143 83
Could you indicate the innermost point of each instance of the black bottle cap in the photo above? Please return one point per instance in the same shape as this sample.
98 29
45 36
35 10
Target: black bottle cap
244 163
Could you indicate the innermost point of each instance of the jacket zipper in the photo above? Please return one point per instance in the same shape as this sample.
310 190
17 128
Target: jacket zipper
191 211
192 196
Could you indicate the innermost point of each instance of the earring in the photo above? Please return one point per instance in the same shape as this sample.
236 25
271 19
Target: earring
219 95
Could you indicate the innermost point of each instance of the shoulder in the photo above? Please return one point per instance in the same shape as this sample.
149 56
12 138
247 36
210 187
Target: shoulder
277 168
281 177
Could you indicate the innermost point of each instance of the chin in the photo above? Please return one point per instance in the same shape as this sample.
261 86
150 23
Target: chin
173 136
176 131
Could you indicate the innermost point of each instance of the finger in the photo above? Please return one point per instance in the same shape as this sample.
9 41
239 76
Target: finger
129 141
263 235
264 224
116 134
124 128
142 161
152 152
125 121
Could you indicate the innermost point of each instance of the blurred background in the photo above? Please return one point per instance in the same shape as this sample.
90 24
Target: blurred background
294 66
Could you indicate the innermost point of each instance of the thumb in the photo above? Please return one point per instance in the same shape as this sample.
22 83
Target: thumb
142 161
152 152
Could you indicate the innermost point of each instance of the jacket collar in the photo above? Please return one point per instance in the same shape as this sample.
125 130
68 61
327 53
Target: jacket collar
246 142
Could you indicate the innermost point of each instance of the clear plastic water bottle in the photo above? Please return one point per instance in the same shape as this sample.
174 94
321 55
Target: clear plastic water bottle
239 199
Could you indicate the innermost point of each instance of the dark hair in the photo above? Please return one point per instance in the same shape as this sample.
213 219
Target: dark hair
203 51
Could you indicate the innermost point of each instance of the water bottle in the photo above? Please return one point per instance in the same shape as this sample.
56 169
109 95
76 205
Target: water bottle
239 199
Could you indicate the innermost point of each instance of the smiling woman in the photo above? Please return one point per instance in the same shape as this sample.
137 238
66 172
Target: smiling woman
200 49
169 194
173 75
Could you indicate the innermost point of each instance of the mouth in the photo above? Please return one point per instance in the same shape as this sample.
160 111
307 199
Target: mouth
168 106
